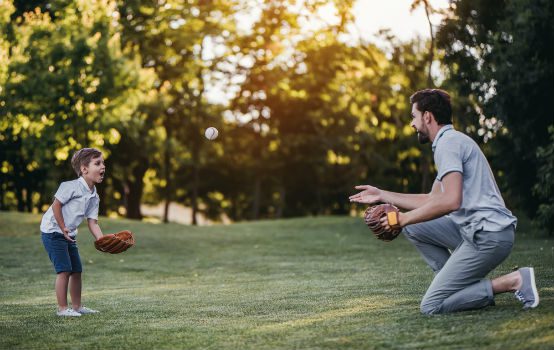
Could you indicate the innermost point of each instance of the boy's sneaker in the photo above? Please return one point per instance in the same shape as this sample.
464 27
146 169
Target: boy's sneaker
68 313
85 310
528 294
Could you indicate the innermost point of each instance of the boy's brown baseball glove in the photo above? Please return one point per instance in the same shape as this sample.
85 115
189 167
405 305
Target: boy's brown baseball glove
373 217
115 243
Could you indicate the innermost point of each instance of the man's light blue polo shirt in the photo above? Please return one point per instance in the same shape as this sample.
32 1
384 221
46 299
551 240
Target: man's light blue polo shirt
78 202
482 206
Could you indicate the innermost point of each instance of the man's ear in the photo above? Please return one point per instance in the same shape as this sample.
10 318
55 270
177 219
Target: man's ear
428 117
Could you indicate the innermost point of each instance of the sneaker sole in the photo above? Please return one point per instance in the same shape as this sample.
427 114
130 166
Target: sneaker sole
534 287
68 315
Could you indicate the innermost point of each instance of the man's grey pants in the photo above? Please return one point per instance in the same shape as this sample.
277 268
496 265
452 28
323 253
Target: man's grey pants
459 282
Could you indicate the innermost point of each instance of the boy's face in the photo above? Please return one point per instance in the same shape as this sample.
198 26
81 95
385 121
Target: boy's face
94 171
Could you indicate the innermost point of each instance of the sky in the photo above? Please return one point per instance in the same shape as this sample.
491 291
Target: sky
373 15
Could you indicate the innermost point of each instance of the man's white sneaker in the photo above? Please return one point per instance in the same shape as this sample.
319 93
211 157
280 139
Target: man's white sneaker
68 313
85 310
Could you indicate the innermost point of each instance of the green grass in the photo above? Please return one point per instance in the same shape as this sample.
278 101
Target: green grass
311 283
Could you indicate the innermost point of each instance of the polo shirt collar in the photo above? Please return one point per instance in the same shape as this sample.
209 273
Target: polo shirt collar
440 133
84 183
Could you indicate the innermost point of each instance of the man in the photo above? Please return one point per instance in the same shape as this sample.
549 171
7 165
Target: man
462 228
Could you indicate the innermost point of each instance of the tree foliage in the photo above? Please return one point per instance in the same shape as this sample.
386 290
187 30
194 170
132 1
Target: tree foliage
305 110
68 83
499 54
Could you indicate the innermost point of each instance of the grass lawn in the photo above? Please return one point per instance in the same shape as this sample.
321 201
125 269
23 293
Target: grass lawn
307 283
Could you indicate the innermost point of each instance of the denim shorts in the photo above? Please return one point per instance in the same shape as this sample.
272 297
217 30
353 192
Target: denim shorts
63 253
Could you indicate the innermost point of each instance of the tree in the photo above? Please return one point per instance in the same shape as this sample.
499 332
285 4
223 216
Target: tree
172 38
544 188
67 83
500 55
325 113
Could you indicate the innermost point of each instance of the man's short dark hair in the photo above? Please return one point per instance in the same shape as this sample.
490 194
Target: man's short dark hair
83 157
435 101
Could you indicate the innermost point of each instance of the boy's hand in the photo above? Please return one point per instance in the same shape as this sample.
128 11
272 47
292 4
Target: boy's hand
66 233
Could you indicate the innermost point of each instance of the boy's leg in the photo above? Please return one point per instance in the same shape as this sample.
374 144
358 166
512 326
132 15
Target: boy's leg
461 283
62 280
434 240
58 251
75 286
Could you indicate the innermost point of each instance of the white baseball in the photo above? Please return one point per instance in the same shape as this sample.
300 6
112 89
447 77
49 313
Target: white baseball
211 133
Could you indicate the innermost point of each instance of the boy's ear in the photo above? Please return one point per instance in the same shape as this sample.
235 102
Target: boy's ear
83 169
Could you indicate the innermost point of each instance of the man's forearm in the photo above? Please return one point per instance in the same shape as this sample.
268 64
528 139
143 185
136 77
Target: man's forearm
445 197
430 210
404 200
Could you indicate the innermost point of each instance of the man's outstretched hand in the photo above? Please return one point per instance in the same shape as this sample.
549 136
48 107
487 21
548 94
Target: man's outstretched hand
368 195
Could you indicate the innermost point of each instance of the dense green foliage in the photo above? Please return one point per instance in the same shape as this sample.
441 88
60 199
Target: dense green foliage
307 114
499 55
310 283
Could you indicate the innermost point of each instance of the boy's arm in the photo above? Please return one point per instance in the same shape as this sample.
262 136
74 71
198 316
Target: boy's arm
57 210
94 228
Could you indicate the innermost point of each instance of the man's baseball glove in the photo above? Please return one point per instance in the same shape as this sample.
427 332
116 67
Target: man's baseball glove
115 243
373 216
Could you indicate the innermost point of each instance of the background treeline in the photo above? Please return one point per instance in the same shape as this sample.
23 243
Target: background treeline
306 111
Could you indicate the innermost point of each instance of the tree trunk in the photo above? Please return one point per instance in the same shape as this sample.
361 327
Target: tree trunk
19 182
431 56
29 200
2 205
256 199
281 207
167 176
424 174
102 210
19 196
234 212
134 191
196 171
425 168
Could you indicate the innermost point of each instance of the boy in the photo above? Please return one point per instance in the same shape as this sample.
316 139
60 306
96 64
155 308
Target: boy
74 201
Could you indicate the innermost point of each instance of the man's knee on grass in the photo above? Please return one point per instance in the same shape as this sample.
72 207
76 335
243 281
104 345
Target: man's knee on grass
428 308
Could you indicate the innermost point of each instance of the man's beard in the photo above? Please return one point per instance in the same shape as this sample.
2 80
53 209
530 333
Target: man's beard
422 137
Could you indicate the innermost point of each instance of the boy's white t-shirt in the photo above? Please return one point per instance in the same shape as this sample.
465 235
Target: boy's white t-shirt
78 202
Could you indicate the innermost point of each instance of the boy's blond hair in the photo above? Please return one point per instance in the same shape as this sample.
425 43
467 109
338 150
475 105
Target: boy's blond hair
83 157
